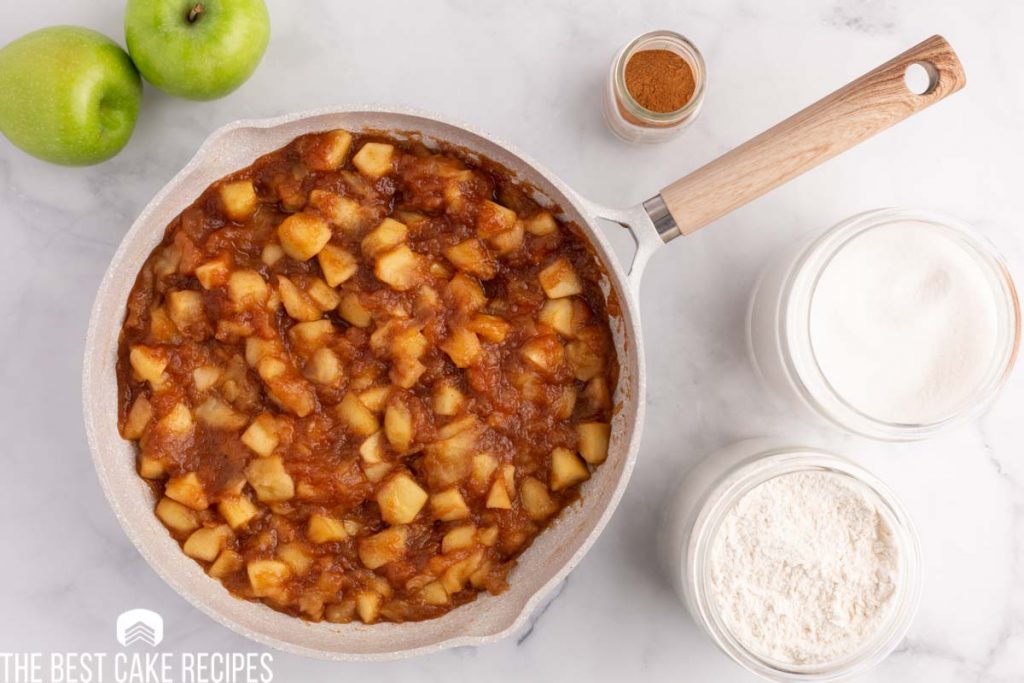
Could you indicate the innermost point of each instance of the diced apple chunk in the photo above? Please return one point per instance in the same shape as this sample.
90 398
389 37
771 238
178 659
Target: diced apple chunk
471 256
408 343
405 372
593 441
484 466
151 467
138 417
597 395
185 308
455 577
296 557
215 413
296 302
329 151
257 349
462 346
205 377
303 235
176 517
357 416
375 398
187 490
492 328
469 423
368 606
270 480
449 505
567 469
372 448
509 241
324 529
247 288
343 212
467 293
352 310
508 473
286 387
161 327
557 314
374 159
487 536
536 499
388 235
337 264
400 268
271 254
493 219
545 353
324 367
323 295
262 435
398 426
205 544
459 538
237 511
586 354
238 200
375 472
268 577
214 273
434 594
312 333
559 279
227 563
447 399
497 496
400 499
148 363
381 548
542 223
565 403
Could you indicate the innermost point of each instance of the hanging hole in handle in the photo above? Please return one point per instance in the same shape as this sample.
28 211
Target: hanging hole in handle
921 78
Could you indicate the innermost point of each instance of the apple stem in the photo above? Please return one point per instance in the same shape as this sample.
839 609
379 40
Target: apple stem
194 13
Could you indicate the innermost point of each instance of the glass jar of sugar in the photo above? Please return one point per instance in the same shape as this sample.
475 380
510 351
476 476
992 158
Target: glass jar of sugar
894 324
799 564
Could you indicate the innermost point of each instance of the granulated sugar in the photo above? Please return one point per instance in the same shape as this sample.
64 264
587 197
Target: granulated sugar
904 324
803 568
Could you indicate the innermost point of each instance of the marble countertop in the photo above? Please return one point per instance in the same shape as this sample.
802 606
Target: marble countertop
531 73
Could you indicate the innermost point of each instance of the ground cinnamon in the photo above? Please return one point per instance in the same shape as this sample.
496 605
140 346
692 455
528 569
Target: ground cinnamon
659 80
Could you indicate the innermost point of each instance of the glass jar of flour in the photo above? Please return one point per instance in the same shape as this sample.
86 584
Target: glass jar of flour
798 564
893 324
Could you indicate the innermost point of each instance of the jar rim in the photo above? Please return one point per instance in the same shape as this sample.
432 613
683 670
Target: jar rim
795 315
765 465
699 77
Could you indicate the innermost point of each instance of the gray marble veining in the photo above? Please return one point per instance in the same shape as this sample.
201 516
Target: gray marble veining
532 72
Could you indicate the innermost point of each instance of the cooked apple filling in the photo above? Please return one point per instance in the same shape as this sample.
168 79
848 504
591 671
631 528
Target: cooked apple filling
364 375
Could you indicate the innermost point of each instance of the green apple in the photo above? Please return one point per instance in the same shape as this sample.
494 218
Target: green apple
196 49
68 95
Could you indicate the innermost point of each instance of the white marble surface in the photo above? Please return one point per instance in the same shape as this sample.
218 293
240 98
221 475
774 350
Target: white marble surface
531 72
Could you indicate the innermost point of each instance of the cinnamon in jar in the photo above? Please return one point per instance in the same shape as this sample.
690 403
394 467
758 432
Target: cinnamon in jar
655 88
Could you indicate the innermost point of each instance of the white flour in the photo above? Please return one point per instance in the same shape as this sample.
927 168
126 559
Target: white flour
803 568
904 324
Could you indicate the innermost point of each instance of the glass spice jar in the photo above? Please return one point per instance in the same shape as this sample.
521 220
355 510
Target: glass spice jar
631 121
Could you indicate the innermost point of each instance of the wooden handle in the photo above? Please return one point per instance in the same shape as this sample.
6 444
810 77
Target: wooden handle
850 115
